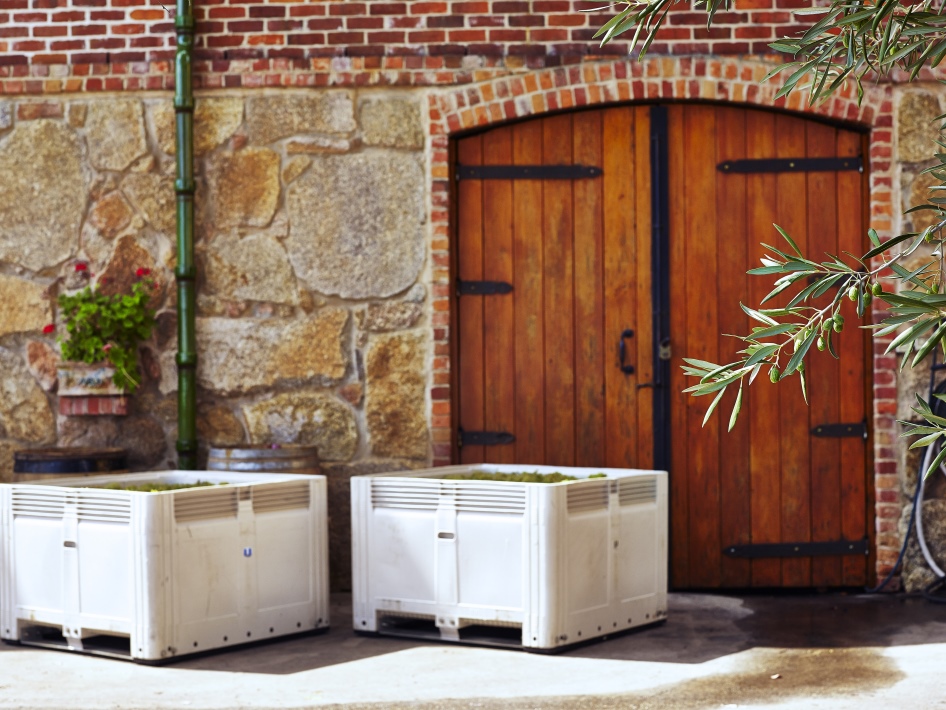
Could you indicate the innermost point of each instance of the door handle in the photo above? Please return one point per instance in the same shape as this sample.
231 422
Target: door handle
622 351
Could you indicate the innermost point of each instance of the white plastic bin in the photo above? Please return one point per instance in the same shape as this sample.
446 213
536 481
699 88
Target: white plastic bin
152 576
556 563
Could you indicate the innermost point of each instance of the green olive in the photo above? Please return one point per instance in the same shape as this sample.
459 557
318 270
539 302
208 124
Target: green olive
838 327
852 293
877 289
820 343
774 374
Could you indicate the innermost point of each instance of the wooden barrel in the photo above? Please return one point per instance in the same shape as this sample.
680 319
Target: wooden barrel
33 464
282 458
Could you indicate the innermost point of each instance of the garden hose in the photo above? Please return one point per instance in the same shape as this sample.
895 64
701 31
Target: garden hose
938 407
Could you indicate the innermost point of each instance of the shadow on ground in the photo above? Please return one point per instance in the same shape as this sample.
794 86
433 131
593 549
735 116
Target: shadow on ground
700 628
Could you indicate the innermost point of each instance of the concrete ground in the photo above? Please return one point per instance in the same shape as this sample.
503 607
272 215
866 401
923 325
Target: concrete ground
715 651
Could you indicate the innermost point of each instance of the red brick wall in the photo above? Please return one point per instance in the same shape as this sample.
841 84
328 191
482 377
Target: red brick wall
542 32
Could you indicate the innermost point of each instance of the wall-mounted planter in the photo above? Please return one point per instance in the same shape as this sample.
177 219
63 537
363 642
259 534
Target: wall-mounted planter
88 390
78 379
154 576
537 565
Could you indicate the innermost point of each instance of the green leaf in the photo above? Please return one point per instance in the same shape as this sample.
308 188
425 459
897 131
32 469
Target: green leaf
712 406
804 385
762 353
910 276
777 290
703 364
911 334
892 242
610 24
737 407
935 463
927 440
718 371
803 294
826 284
930 344
755 372
788 239
755 315
759 333
800 353
705 388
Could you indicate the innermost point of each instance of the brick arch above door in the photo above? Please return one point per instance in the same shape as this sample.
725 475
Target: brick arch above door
460 110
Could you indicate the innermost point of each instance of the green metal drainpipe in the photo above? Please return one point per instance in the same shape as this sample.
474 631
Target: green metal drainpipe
185 272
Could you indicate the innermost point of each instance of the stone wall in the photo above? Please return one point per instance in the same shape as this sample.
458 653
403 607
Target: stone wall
917 106
313 323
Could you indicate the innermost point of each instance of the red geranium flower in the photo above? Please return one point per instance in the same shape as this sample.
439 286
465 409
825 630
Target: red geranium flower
143 272
48 328
82 266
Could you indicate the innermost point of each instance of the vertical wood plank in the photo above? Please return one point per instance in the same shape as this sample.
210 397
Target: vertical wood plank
679 456
589 304
792 206
499 396
529 317
733 289
643 277
559 294
763 400
855 351
823 371
700 286
619 292
470 309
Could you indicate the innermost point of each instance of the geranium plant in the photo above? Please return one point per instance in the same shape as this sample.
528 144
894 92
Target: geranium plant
108 328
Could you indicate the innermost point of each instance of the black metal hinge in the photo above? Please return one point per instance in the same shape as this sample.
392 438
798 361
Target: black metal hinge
798 549
484 438
527 172
791 165
482 288
854 429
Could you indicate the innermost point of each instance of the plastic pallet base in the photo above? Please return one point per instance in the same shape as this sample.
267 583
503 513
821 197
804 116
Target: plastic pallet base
506 637
117 647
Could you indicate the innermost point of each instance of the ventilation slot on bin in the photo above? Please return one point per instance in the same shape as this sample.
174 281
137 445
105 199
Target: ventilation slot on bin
104 508
420 495
269 498
39 504
205 504
583 497
634 491
505 498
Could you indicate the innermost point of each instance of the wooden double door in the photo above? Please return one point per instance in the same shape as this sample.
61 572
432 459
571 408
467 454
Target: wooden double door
594 251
